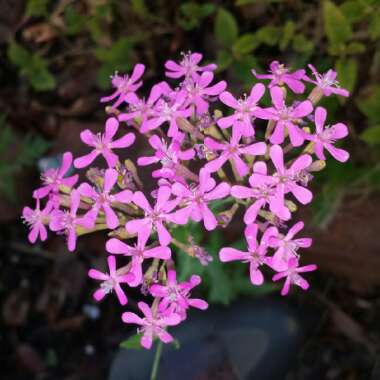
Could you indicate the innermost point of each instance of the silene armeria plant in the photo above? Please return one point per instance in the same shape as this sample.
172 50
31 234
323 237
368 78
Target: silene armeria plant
258 158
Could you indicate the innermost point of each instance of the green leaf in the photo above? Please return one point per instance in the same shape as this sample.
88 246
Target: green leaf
32 66
370 105
132 343
301 44
354 10
347 70
268 35
193 13
245 44
74 21
374 25
37 8
355 48
371 135
116 58
337 27
225 28
287 34
224 59
139 7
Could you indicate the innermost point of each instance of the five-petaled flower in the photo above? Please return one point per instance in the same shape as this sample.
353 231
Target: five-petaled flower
292 274
103 199
196 198
256 254
111 281
327 82
54 178
280 75
152 325
124 85
103 144
325 137
170 157
232 150
245 109
188 67
175 297
155 217
138 253
286 118
37 219
68 221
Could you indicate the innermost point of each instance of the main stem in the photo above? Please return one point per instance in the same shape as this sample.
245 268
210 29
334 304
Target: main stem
156 362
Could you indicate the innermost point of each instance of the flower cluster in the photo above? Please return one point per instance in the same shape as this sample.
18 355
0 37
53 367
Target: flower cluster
260 159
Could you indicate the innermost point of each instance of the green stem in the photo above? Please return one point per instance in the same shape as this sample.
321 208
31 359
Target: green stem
156 362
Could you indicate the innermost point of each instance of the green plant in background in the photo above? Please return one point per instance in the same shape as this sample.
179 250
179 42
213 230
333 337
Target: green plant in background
15 155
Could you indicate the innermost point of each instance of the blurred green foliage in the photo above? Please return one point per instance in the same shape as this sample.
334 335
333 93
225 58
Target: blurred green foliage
24 153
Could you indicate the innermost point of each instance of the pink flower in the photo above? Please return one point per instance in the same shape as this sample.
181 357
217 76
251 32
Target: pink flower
54 178
327 82
103 144
198 92
245 110
324 138
124 85
292 275
103 200
141 109
152 325
111 281
280 75
287 247
285 117
196 200
256 255
286 180
67 221
188 67
36 220
138 252
176 297
232 150
168 111
170 157
264 191
154 217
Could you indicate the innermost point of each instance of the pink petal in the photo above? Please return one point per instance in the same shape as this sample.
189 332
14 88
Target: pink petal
163 196
228 99
227 121
129 317
255 274
255 149
277 157
99 294
137 73
241 192
252 211
83 161
303 195
97 275
124 196
87 137
112 125
145 309
110 178
120 295
339 131
116 246
124 142
140 200
277 96
209 219
220 191
164 236
198 303
302 109
278 135
231 254
320 118
159 252
339 154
